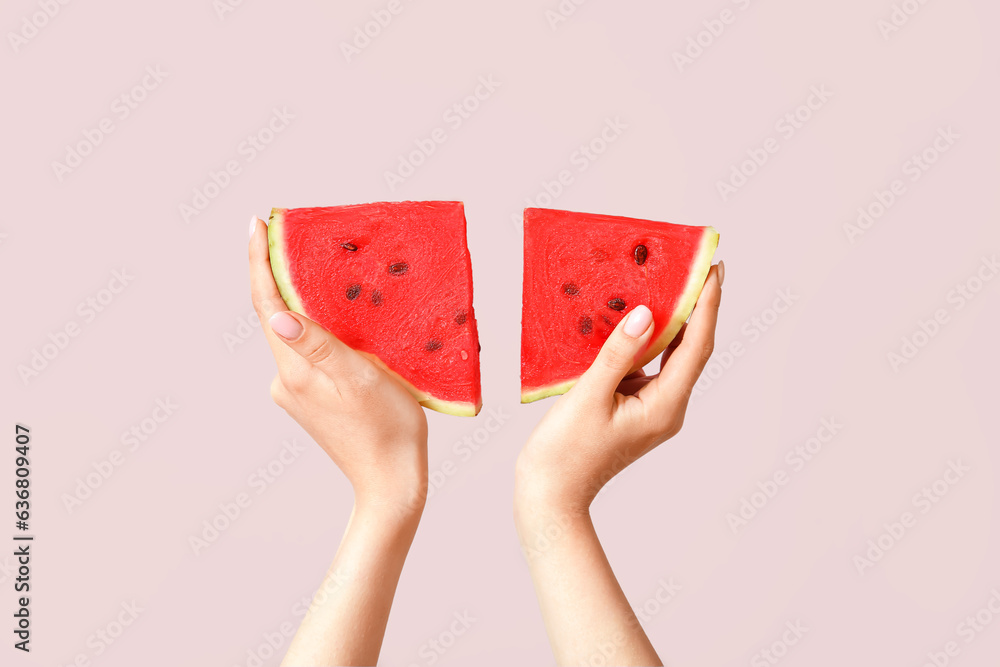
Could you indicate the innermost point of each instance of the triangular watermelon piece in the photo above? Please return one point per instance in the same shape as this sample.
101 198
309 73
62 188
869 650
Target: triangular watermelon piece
392 280
583 273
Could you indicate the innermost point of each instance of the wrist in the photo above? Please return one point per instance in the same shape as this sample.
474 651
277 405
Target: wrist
545 524
547 489
394 503
397 494
543 509
385 519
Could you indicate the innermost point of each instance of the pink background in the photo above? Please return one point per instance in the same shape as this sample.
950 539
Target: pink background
165 334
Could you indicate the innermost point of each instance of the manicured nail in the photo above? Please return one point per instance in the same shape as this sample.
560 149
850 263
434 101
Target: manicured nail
253 225
638 321
285 325
722 272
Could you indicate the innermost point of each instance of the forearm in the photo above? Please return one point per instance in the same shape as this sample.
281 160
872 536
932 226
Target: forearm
586 614
346 621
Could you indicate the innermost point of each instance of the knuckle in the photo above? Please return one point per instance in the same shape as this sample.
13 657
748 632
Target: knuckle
362 380
615 358
266 305
666 426
295 383
278 392
317 349
258 306
706 351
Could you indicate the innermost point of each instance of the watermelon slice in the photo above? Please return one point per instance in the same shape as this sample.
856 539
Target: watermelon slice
393 281
583 273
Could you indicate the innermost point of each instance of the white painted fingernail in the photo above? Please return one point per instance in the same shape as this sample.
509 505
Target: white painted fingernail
253 225
286 326
638 321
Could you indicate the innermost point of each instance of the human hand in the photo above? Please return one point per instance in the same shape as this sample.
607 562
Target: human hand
608 420
369 424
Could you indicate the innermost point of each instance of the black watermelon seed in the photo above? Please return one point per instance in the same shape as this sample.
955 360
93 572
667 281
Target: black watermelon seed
461 318
616 304
569 289
607 320
640 254
479 347
433 345
349 247
399 268
586 325
353 292
377 298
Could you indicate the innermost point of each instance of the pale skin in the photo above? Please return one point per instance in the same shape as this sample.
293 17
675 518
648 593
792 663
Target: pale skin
376 433
604 423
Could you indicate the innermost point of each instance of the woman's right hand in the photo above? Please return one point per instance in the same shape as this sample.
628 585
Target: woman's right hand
610 419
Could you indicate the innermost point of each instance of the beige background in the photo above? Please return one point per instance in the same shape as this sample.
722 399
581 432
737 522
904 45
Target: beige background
175 332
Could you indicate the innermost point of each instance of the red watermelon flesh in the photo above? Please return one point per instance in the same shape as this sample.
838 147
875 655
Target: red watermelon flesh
583 273
392 280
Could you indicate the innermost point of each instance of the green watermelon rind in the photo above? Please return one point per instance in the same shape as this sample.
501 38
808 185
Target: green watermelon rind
283 279
279 266
700 267
545 392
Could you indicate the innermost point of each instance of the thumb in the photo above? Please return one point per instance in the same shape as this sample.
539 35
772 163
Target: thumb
619 353
314 343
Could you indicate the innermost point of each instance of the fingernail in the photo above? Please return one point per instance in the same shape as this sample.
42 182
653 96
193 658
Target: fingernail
253 225
285 325
722 272
638 321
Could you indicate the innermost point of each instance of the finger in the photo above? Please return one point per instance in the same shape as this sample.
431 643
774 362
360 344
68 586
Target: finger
632 386
316 345
685 364
618 355
267 301
633 382
672 345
